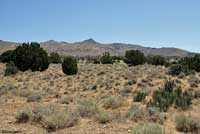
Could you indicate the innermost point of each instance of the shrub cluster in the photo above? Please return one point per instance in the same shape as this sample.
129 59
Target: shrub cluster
171 94
193 63
10 69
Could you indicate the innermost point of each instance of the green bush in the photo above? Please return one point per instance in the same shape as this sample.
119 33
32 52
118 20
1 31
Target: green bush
183 100
148 128
187 124
30 56
134 57
106 58
55 58
156 60
6 56
140 96
170 94
175 69
69 66
10 69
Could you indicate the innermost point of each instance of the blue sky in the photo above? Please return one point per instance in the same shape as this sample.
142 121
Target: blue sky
153 23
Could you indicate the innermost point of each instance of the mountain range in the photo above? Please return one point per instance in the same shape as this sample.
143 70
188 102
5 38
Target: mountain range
90 47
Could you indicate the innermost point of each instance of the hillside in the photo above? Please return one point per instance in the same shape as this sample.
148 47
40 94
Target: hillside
92 48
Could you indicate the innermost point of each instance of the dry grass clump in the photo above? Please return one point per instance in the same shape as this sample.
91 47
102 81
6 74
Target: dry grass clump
112 102
66 100
187 124
34 98
148 128
137 113
103 117
87 108
50 117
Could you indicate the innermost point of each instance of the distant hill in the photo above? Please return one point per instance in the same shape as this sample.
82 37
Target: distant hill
92 48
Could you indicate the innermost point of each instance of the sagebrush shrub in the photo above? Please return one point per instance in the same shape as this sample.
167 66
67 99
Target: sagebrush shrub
69 66
169 95
10 69
87 108
175 69
148 128
187 124
140 96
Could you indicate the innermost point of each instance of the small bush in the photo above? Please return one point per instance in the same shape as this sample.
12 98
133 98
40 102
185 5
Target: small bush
103 117
183 100
175 69
140 96
55 58
148 128
106 58
69 66
50 117
10 69
22 116
96 61
87 108
34 98
187 124
112 102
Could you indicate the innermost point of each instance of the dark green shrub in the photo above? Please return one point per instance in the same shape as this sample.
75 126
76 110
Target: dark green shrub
96 61
156 60
134 57
169 95
193 63
69 66
10 69
31 56
175 69
106 58
55 58
6 56
140 96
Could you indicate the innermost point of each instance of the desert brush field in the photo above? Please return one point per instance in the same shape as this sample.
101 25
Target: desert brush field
99 99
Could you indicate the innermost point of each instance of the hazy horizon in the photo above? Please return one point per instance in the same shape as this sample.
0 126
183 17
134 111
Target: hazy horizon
149 23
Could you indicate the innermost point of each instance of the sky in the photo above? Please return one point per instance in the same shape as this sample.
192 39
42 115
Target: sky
152 23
